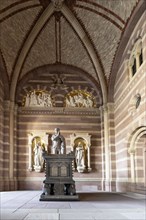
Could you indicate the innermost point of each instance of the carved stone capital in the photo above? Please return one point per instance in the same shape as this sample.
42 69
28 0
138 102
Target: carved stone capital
103 108
109 107
131 151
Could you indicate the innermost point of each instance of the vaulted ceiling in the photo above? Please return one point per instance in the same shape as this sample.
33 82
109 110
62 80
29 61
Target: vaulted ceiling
82 34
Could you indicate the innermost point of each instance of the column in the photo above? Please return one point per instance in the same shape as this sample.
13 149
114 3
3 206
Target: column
46 140
6 145
106 146
132 154
130 72
30 136
12 143
145 167
11 137
89 163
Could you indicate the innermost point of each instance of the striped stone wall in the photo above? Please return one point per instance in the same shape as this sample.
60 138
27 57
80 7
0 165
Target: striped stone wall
1 133
112 151
108 154
9 161
140 160
129 118
8 155
75 121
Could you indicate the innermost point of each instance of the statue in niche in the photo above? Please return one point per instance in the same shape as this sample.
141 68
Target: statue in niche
58 146
38 158
80 155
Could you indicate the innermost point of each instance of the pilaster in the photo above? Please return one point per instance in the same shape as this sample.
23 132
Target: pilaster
107 116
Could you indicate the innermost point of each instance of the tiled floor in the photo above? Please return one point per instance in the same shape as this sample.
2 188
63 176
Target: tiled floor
102 206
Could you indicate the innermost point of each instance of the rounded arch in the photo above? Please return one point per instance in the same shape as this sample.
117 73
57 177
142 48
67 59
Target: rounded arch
60 68
123 43
80 32
134 137
26 47
133 140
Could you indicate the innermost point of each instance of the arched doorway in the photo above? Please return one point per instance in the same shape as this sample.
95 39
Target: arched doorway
137 152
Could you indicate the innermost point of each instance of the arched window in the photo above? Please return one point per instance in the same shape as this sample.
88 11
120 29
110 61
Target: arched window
136 58
134 67
140 58
139 52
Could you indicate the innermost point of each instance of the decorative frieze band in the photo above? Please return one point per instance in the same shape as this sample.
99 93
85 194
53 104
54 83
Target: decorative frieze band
59 110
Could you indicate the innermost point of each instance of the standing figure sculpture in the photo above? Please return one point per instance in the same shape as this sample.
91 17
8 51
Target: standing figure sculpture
38 159
58 146
80 155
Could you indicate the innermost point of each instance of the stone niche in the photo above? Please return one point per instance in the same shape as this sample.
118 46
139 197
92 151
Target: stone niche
80 145
37 143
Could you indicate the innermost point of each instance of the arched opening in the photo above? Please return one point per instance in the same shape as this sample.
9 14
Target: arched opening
140 159
137 152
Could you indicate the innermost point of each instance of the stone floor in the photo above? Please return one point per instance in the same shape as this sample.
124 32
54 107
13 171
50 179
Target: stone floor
102 206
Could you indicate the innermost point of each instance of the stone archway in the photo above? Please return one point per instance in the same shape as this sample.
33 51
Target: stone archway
137 151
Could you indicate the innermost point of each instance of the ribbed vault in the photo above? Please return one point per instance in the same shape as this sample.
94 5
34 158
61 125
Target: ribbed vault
84 34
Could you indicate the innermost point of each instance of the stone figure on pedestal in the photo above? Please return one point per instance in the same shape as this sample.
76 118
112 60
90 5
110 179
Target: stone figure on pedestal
38 159
58 143
80 157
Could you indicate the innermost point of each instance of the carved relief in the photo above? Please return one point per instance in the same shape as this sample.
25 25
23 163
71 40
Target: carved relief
58 82
37 98
54 170
79 98
63 170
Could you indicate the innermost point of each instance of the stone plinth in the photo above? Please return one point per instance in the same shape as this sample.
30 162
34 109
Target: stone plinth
59 183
